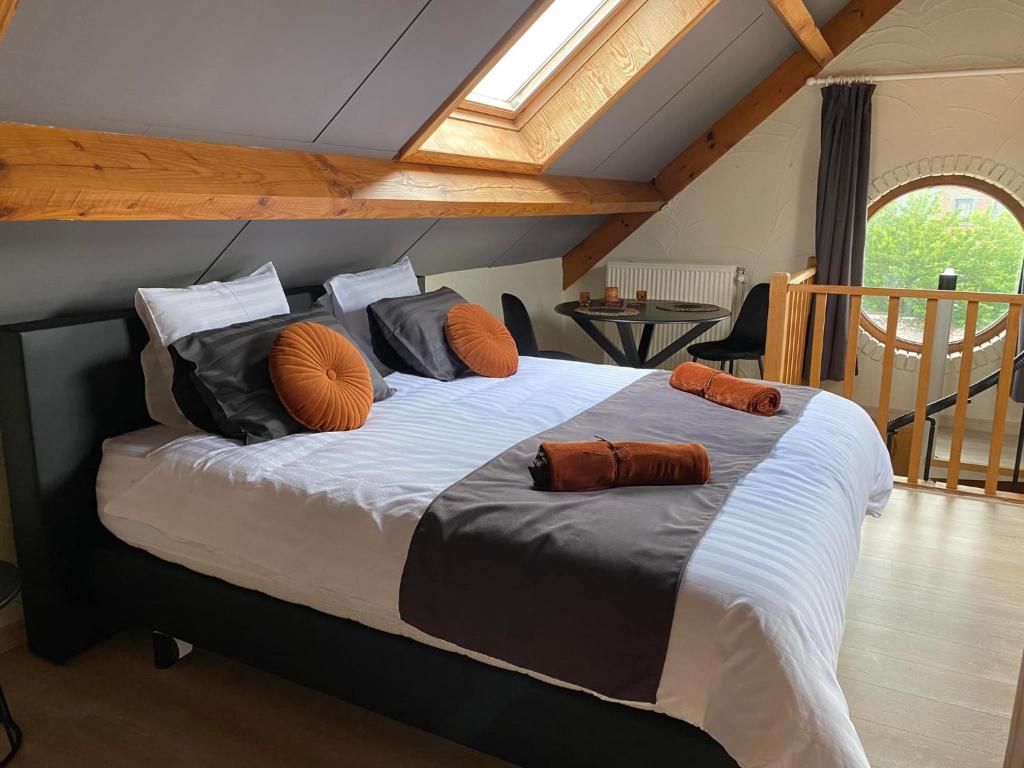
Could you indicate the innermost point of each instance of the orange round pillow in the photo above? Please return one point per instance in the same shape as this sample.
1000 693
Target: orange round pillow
481 341
321 378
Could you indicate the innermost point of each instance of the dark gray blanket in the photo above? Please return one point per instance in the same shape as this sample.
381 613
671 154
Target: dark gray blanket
581 586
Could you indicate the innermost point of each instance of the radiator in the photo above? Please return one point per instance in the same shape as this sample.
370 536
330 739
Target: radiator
680 282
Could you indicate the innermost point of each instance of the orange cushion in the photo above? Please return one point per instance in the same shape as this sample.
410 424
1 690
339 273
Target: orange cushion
321 378
481 341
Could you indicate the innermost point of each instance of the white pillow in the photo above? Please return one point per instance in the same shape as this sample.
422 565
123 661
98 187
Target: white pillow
348 296
173 313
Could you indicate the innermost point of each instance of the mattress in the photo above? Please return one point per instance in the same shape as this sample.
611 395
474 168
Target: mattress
325 520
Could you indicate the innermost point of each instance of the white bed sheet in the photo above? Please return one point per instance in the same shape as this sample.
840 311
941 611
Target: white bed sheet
325 520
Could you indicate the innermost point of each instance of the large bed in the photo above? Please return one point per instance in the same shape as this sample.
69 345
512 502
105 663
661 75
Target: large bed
212 540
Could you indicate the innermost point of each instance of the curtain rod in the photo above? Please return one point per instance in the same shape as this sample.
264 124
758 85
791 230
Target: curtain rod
849 79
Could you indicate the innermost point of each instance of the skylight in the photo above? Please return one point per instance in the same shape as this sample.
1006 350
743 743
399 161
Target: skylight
558 31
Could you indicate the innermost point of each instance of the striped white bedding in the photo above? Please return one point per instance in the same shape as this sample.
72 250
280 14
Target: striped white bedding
325 520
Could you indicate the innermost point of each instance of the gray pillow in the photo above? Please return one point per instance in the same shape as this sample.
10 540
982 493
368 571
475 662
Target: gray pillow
222 377
408 334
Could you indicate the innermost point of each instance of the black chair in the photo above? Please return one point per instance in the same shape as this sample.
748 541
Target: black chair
746 340
518 322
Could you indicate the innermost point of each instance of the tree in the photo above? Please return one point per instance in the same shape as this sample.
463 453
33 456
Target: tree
915 237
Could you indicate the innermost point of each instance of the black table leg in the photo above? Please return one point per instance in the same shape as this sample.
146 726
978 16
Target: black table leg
11 728
629 345
645 342
601 340
679 344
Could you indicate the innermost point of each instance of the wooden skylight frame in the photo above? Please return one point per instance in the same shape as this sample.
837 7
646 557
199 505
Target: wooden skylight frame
564 61
601 64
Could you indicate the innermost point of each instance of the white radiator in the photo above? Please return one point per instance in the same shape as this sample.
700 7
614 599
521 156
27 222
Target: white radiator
680 282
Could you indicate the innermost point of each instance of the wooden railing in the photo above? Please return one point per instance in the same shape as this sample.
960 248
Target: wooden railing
796 301
788 315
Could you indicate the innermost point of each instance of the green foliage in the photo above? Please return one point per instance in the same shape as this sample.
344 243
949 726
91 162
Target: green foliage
914 238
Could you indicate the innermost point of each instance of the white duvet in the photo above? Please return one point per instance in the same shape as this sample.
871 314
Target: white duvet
325 520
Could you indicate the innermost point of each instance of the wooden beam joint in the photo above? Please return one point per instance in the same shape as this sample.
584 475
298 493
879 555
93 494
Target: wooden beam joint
798 19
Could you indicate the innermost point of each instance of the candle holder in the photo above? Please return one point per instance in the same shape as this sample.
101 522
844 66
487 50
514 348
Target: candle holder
611 296
584 298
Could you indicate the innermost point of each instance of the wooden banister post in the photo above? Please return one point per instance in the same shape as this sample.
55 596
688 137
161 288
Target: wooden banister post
778 313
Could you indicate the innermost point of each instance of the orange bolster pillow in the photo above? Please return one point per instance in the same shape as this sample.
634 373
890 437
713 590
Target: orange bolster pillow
598 464
721 388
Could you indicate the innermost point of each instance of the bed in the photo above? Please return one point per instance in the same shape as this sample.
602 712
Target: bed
288 555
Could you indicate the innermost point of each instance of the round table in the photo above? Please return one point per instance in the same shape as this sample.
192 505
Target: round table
10 586
638 356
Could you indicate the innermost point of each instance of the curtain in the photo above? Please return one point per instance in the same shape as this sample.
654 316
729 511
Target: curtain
1017 389
841 223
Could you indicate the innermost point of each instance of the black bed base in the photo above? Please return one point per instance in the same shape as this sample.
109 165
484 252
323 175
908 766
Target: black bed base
502 713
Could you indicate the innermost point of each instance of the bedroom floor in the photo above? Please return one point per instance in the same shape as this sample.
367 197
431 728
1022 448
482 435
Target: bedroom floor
929 664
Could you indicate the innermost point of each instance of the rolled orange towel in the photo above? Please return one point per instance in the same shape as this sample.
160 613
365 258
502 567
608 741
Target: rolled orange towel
600 464
721 388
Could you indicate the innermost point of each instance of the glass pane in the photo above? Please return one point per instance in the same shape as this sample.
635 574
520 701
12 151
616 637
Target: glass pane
543 40
918 235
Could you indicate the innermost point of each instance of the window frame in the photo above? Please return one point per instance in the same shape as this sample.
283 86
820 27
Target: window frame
636 36
1011 203
564 62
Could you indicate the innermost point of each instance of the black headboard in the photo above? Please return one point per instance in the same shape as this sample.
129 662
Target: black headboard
65 386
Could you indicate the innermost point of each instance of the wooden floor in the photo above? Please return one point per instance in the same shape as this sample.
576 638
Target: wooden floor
935 631
933 644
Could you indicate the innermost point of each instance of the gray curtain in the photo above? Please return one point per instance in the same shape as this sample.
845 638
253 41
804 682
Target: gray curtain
842 214
1017 390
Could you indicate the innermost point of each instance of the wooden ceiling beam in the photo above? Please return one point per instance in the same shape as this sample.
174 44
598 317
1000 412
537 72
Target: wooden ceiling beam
840 32
798 19
56 173
7 9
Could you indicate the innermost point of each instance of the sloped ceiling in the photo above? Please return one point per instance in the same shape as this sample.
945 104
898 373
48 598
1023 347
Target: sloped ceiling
346 76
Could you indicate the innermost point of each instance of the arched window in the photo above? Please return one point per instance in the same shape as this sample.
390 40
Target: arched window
919 229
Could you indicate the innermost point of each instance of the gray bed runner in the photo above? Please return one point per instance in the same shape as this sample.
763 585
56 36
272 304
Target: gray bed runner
581 586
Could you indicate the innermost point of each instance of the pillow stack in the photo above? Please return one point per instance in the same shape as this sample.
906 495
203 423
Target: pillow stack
408 334
207 364
347 296
440 336
230 358
170 314
223 380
